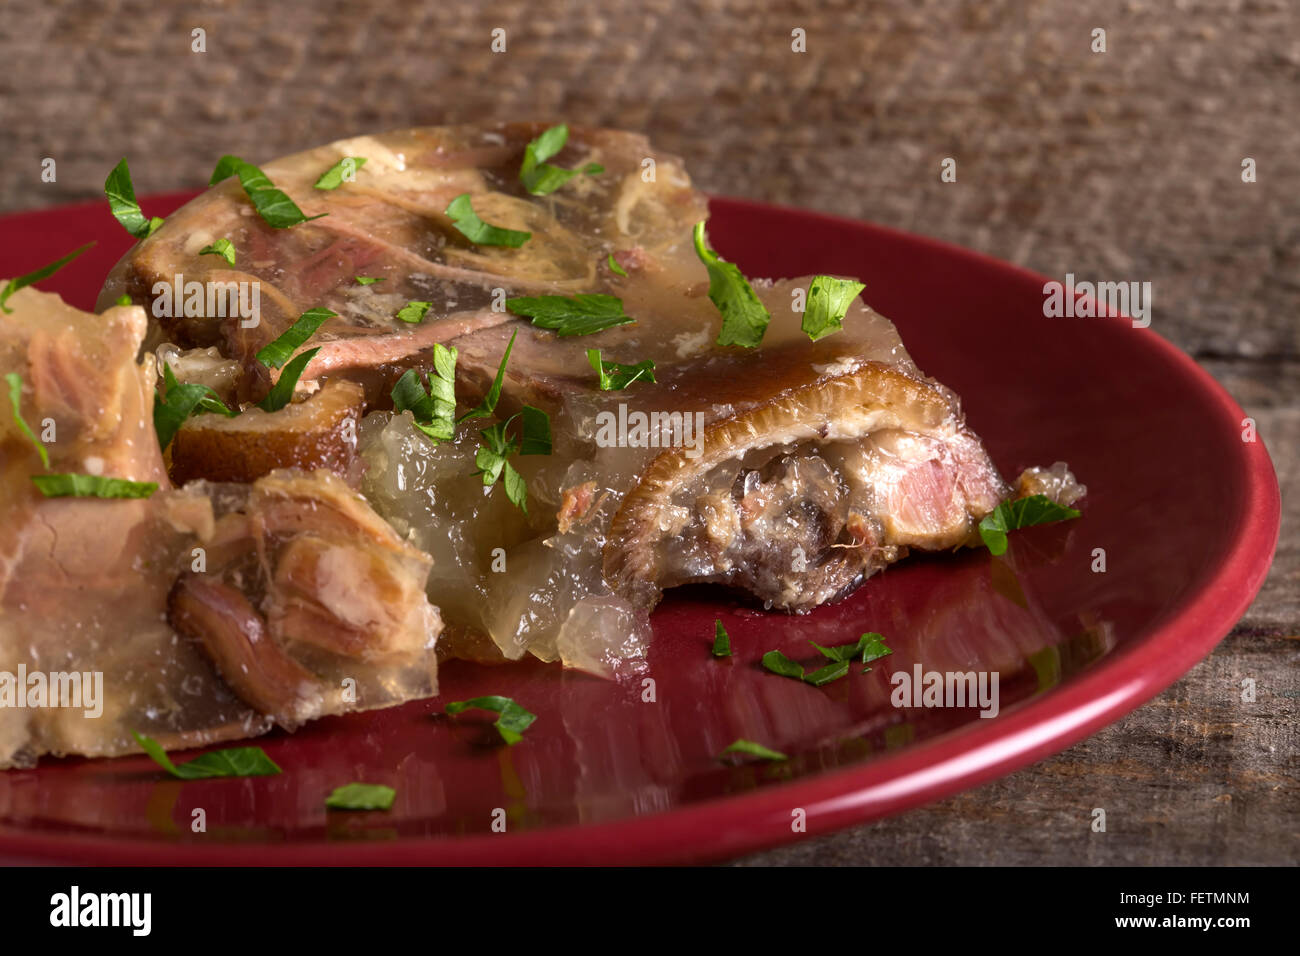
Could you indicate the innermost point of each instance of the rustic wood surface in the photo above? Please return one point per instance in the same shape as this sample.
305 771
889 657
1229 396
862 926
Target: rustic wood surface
1121 165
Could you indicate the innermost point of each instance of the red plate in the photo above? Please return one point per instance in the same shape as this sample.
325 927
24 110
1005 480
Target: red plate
1186 511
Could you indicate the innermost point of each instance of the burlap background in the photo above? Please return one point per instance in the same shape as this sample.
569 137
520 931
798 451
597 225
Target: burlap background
1117 165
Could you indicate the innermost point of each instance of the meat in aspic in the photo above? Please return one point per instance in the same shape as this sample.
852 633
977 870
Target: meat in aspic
793 470
190 615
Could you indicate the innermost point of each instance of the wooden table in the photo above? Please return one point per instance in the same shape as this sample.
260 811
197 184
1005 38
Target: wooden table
1122 165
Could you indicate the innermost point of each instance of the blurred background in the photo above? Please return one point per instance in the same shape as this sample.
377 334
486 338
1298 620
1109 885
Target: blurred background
1123 165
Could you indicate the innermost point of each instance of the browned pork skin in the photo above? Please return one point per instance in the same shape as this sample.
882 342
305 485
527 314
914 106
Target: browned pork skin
860 467
319 432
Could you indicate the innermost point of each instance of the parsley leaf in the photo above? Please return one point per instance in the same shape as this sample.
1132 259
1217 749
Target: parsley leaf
220 247
22 282
1021 513
434 410
541 178
512 723
744 317
873 647
485 408
743 746
15 400
180 402
366 280
721 640
275 354
516 488
123 299
361 796
281 393
778 663
468 224
614 376
492 456
234 762
827 674
614 267
828 301
273 205
121 200
535 432
91 486
332 178
413 312
869 647
582 314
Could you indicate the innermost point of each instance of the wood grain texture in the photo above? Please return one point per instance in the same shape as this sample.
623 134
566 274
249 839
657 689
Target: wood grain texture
1119 166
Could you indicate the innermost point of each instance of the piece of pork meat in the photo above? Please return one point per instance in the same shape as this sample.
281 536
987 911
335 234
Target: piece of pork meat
391 224
162 595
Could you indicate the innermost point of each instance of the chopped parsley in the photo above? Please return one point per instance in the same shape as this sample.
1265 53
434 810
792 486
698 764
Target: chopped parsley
868 647
828 302
468 224
582 314
413 312
434 410
367 280
827 674
121 200
434 413
614 376
281 393
91 486
273 205
1021 513
778 663
361 796
123 299
614 267
181 401
744 317
234 762
721 640
15 400
485 408
743 746
220 247
535 432
275 354
541 178
22 282
332 178
492 457
512 723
